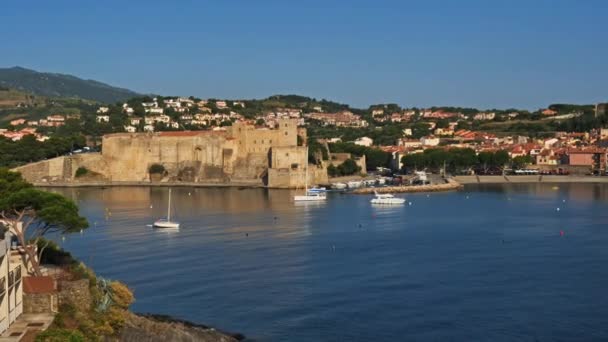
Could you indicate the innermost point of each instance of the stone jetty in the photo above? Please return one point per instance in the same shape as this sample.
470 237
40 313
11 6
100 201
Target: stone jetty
449 185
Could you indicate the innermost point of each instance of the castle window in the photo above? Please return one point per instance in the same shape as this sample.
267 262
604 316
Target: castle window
286 154
285 133
254 141
285 125
270 141
262 141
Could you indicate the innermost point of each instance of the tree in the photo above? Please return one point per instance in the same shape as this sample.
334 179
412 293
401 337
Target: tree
32 213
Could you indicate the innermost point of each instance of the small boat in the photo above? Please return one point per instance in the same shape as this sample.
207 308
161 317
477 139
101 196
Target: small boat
381 181
310 196
317 189
339 186
354 184
166 223
386 199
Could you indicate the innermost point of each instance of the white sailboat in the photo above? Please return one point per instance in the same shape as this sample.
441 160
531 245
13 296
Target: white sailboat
167 223
308 195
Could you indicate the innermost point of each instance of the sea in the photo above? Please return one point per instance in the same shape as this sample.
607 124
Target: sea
508 262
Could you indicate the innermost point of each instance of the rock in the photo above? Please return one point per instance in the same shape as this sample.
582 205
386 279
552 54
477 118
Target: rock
157 328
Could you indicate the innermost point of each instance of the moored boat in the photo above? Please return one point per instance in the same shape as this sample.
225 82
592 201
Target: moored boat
386 199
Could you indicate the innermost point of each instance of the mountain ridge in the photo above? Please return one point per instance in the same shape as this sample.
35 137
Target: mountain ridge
62 85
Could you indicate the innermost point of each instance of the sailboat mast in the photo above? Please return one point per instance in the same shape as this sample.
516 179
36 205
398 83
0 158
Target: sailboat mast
169 207
306 175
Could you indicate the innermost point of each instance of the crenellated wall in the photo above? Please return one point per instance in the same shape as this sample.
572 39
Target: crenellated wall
241 154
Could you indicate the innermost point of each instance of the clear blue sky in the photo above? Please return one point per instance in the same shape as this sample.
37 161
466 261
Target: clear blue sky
482 53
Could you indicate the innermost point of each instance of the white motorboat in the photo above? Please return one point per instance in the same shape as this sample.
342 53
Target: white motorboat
354 184
317 189
339 186
166 223
387 199
310 196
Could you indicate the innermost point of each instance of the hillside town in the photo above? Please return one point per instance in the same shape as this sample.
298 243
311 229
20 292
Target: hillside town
557 152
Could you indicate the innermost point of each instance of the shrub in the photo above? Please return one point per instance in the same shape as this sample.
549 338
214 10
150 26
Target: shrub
156 169
60 335
81 171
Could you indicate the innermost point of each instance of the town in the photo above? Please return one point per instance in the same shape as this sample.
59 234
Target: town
533 142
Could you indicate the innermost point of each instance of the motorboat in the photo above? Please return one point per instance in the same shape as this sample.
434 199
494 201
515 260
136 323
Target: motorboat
339 186
387 199
166 223
317 189
354 184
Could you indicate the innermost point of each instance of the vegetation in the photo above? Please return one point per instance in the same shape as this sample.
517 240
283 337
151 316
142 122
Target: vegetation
60 335
373 157
107 314
59 85
156 169
347 168
81 172
33 213
455 160
28 149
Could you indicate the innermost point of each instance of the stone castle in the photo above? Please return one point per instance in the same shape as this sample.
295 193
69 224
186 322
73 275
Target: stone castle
241 155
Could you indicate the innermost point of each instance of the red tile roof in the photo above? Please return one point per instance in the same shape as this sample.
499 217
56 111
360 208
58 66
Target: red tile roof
43 284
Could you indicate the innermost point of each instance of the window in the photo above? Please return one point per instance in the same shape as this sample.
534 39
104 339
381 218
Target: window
285 133
270 141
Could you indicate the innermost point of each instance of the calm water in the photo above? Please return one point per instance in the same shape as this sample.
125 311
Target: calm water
487 263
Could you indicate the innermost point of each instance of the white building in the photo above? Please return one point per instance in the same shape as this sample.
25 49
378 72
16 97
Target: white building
364 141
155 110
103 110
221 104
148 128
429 141
11 284
103 118
130 129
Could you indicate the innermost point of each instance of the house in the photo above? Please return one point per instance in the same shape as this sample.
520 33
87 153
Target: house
547 157
377 112
17 122
103 118
397 153
594 158
549 112
238 104
484 116
443 131
155 110
409 143
130 129
103 110
429 141
364 141
407 132
32 123
55 120
12 271
221 104
135 121
148 128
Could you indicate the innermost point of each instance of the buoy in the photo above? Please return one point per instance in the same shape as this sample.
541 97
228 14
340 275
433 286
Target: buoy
189 194
564 201
561 233
557 209
150 206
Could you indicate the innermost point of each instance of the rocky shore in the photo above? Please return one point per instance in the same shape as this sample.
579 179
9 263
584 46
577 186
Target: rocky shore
529 179
160 328
449 185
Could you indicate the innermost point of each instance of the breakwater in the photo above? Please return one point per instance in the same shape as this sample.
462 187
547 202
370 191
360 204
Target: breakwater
529 179
449 185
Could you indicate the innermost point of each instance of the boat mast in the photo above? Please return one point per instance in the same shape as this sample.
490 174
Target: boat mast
306 175
169 207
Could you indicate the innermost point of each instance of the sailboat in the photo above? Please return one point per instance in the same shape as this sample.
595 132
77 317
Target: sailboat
167 223
309 196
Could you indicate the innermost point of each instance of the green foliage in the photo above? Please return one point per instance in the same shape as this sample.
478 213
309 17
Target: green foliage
81 171
347 168
28 149
455 159
522 161
156 169
60 335
373 157
59 85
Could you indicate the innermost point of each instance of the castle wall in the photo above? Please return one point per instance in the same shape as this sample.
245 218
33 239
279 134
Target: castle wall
242 153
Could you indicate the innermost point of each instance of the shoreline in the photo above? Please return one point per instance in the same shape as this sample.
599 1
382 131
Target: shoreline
546 179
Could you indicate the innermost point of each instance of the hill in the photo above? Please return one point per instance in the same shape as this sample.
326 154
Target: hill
61 85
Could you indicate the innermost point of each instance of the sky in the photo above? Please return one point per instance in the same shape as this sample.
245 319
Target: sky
472 53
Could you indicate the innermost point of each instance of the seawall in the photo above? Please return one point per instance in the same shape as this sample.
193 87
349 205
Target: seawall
529 179
449 185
